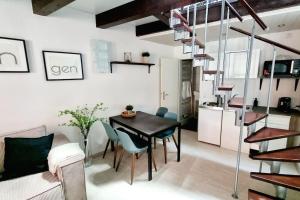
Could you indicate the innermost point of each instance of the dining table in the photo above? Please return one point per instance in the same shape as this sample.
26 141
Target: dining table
149 126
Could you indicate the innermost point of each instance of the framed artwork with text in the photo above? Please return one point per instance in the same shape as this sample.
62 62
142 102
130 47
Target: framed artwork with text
13 56
63 66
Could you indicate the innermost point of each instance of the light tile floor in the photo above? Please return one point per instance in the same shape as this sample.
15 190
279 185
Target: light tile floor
205 172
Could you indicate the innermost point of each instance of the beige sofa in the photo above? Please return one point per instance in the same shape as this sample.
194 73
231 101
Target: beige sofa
68 184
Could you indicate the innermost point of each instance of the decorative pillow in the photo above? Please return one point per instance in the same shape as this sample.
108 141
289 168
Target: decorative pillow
24 156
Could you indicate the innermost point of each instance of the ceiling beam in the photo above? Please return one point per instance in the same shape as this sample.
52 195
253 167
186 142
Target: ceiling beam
46 7
215 14
163 17
137 9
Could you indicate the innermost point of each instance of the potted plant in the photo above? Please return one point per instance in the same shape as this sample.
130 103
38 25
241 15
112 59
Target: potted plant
129 108
145 57
83 118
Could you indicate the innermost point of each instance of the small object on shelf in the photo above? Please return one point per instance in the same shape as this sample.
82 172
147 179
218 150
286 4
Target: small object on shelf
145 57
127 57
255 103
129 107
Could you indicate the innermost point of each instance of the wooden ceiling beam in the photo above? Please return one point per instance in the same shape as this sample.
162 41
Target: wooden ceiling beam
46 7
137 9
214 14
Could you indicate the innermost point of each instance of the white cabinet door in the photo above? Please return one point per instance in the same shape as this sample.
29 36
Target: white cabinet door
238 63
209 125
230 133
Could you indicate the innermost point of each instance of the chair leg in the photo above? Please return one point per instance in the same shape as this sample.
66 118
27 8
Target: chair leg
154 143
175 141
154 163
107 144
132 168
115 154
137 156
165 149
168 139
120 159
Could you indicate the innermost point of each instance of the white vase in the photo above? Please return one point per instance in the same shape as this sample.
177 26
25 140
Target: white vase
145 59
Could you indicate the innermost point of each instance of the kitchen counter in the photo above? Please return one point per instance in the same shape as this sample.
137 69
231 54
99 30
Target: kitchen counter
274 111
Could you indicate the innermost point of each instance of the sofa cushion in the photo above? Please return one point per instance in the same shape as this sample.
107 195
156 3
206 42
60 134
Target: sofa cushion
25 156
33 186
29 133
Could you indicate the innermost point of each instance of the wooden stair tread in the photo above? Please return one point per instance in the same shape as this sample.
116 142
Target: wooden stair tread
266 133
189 41
283 155
284 180
225 87
203 57
183 26
212 72
178 15
254 195
253 117
236 102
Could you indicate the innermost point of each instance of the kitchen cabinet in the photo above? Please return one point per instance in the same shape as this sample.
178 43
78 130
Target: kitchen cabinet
210 125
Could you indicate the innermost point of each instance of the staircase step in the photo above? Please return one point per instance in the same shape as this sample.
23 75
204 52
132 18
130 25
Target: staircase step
253 117
212 72
183 26
179 16
282 155
226 87
203 57
266 133
189 41
284 180
254 195
236 102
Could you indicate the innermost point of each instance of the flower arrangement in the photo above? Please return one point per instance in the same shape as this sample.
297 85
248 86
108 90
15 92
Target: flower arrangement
83 118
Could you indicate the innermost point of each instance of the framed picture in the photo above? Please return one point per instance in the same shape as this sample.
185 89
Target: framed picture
63 66
13 56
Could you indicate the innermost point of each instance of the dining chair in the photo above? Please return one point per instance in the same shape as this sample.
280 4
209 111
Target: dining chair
133 145
161 111
112 137
168 133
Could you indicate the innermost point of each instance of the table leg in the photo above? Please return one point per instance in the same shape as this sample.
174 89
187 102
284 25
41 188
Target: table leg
149 158
112 143
179 143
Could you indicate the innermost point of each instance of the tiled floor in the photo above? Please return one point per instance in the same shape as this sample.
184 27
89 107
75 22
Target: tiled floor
205 172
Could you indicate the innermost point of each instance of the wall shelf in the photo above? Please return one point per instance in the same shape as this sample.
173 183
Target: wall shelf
130 63
278 81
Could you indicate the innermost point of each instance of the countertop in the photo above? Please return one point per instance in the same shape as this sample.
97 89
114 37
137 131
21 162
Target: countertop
274 111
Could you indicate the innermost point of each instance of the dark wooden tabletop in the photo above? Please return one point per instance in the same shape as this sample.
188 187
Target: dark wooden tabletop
145 123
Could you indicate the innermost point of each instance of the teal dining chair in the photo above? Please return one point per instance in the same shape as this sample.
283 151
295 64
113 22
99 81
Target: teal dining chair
133 144
112 137
168 133
161 111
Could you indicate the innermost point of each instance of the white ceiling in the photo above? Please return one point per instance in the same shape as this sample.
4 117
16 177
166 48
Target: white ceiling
289 17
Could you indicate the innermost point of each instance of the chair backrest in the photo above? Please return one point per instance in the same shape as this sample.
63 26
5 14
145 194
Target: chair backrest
126 142
171 116
161 111
110 132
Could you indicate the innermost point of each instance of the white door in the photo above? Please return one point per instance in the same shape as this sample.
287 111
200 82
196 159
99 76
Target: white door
169 84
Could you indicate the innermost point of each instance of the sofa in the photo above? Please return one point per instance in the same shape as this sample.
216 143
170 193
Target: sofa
69 183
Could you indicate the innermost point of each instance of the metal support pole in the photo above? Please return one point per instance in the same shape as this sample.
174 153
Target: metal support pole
225 45
220 44
235 194
271 83
194 33
188 14
206 25
263 146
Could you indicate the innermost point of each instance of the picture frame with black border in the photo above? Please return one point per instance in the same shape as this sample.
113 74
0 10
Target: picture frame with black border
62 66
13 56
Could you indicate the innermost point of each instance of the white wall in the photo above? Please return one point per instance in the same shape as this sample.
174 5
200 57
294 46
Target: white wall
28 100
286 88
